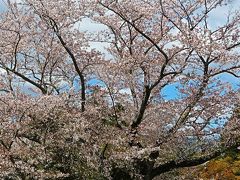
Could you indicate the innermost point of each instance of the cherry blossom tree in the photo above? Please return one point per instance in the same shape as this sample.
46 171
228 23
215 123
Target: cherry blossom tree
72 111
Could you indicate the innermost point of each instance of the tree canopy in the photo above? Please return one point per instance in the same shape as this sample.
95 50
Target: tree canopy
83 87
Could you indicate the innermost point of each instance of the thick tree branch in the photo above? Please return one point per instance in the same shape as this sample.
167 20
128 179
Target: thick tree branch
188 162
74 60
39 86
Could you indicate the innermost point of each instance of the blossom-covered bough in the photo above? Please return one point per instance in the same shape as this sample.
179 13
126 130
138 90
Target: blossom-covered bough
71 110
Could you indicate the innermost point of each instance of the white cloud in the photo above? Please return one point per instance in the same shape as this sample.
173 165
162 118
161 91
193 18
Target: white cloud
218 16
2 71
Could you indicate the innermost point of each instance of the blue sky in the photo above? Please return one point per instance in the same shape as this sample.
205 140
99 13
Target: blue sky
2 6
171 92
